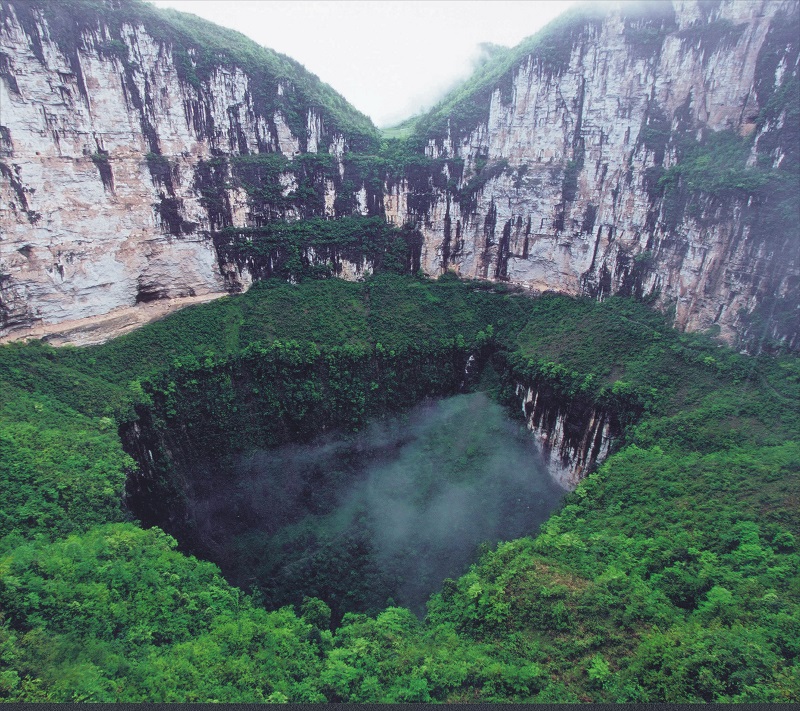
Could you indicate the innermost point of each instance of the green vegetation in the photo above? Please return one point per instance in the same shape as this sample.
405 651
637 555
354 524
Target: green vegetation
315 248
116 614
717 166
712 36
199 48
755 176
279 188
395 160
401 131
61 470
670 574
276 187
716 171
646 26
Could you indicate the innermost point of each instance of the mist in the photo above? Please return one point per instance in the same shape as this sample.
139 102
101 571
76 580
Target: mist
381 517
421 98
390 59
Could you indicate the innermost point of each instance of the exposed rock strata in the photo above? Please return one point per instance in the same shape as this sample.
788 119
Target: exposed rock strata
572 155
122 181
572 436
101 206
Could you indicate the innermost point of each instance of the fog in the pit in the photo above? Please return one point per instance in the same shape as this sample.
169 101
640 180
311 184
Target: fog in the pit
383 516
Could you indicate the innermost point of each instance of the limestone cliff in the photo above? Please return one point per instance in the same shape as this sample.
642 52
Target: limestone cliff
650 150
647 149
573 436
117 122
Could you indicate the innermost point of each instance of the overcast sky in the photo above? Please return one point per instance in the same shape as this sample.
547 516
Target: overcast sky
389 58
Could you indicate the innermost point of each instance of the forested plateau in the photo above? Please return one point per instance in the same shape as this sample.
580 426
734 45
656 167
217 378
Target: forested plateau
596 235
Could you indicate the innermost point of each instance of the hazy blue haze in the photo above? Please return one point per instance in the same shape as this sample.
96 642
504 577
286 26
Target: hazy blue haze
385 514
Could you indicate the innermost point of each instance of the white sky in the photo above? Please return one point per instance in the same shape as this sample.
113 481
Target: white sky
389 58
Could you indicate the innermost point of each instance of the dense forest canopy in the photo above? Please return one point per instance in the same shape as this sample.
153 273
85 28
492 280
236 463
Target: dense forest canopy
670 574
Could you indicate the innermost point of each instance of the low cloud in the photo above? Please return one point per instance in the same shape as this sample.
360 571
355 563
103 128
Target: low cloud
382 516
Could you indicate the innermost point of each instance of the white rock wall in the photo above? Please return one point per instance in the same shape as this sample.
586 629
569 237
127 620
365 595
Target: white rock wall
601 102
568 458
72 247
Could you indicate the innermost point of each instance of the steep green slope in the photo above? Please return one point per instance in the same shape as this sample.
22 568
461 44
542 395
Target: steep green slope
669 575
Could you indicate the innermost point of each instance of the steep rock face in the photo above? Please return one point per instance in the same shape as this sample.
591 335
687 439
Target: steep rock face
560 185
109 142
140 164
572 436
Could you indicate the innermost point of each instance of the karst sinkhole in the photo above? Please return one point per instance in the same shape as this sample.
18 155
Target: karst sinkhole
368 519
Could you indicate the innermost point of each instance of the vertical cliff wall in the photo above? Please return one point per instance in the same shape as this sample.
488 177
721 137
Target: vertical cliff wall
131 139
651 150
573 436
648 149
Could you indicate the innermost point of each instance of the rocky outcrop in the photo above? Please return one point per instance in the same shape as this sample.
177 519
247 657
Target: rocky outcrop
111 144
563 180
140 161
573 436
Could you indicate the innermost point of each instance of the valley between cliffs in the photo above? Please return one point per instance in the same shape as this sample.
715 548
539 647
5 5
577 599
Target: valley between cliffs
642 149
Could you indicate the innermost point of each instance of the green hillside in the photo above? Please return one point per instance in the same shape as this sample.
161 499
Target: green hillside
670 574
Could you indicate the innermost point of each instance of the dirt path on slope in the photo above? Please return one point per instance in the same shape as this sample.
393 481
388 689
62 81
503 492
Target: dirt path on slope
98 329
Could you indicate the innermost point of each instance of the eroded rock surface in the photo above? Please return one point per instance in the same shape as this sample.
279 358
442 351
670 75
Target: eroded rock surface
574 153
123 178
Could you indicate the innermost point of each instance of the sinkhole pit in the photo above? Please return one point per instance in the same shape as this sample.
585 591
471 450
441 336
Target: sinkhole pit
380 517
